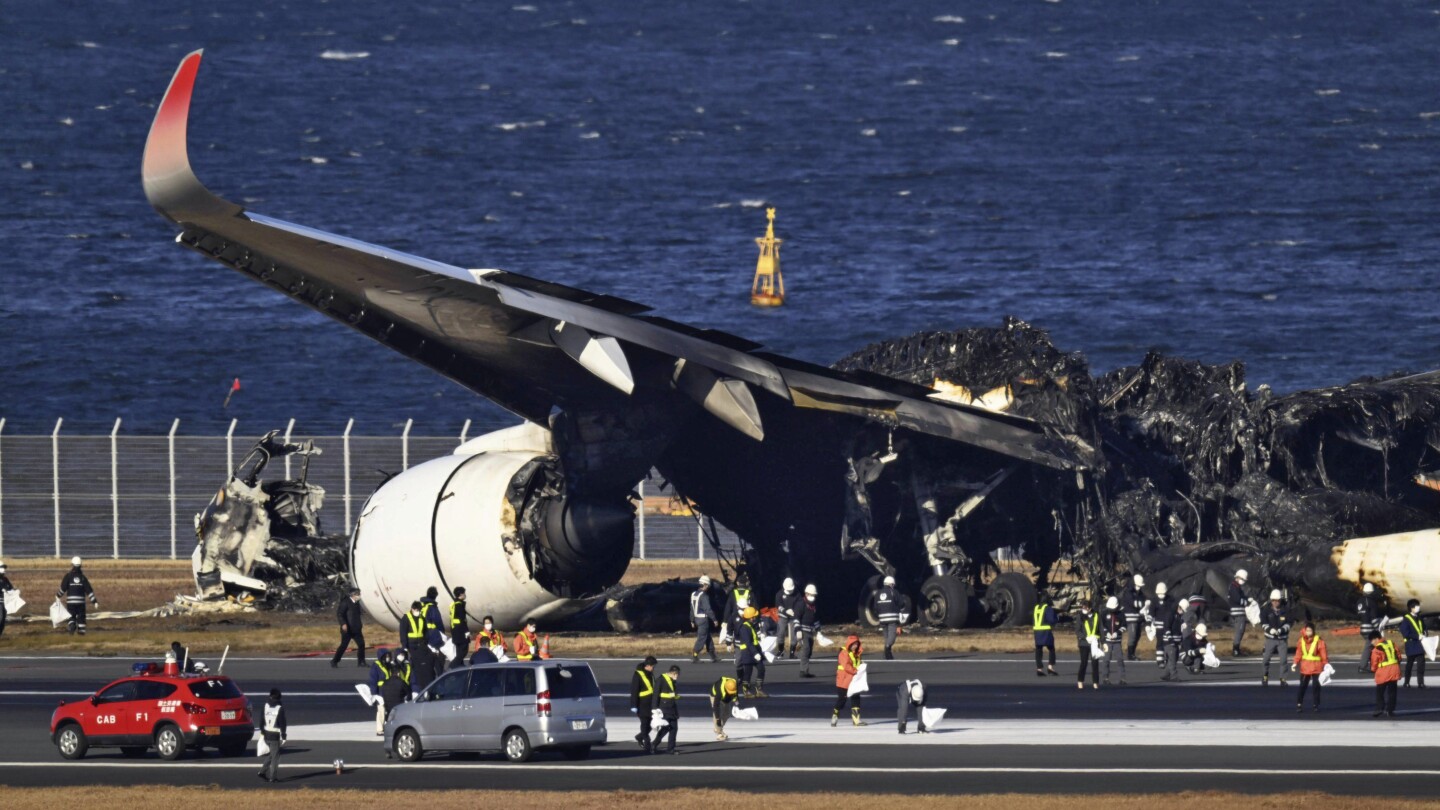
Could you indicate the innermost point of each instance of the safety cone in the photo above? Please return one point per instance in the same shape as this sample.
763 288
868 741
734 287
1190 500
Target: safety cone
545 647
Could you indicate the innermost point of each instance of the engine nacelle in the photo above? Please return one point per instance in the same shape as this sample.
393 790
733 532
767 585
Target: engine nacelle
497 519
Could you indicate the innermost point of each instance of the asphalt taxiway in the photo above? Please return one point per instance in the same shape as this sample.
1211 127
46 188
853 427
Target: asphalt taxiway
1005 730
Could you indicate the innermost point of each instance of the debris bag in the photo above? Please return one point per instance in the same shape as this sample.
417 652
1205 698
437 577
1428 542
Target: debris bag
1326 674
724 634
931 717
859 683
1252 612
448 649
744 714
1150 632
1430 643
1095 649
59 614
657 719
262 748
822 640
767 644
365 694
13 602
1211 659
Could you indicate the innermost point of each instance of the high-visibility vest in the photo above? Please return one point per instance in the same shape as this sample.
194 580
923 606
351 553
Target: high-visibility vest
667 691
649 687
1418 625
384 674
754 637
489 639
404 676
1388 647
1039 623
417 626
457 619
523 642
854 662
1309 654
742 593
1092 624
425 608
722 691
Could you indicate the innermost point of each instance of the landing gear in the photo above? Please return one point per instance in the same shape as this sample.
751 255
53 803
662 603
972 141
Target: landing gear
945 601
1010 600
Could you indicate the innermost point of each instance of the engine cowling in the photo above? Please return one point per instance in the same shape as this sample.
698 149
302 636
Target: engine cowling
497 519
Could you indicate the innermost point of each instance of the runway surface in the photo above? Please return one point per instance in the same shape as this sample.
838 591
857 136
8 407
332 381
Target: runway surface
1005 730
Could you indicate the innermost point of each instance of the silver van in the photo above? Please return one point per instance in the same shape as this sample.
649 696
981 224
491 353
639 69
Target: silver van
515 707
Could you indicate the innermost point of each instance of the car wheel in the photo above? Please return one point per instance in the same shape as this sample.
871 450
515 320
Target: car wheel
169 742
132 751
407 745
71 742
946 603
578 752
517 745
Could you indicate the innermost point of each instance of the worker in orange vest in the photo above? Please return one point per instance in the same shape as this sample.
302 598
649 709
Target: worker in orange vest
527 644
1387 672
490 638
849 665
1311 658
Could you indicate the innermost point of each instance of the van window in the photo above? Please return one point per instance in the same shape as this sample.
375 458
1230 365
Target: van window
571 682
449 687
485 683
519 681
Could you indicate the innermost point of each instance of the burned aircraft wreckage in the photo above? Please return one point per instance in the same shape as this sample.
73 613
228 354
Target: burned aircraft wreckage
920 457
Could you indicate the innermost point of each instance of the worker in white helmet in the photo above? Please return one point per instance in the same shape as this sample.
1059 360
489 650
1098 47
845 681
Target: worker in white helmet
1368 608
1160 614
807 624
1134 604
1239 600
1275 624
1112 629
75 589
702 618
785 599
1171 637
886 604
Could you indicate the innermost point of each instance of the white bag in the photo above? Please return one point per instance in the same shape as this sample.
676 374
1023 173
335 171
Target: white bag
1430 643
13 602
448 649
744 714
859 683
1252 612
366 695
657 720
1326 674
1095 649
931 717
822 640
59 614
1211 659
1150 632
262 748
724 634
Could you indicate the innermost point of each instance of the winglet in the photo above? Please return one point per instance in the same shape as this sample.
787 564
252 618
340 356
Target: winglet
170 185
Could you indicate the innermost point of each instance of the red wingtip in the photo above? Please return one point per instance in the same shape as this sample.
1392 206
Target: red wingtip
166 166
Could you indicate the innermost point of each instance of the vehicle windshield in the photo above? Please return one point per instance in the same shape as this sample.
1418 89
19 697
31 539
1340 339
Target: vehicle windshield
215 689
571 682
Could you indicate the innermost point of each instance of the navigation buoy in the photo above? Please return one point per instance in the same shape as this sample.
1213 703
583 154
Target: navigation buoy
768 290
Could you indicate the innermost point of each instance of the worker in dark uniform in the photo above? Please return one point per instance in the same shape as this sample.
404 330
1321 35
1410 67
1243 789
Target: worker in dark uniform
1413 629
379 674
735 604
1043 624
1087 626
75 589
642 699
1160 611
396 689
430 609
5 587
1193 648
807 624
724 696
418 641
1192 611
1275 624
748 656
1133 602
459 627
886 604
347 613
275 730
702 618
668 701
785 625
1387 673
1368 608
1171 638
1112 633
1239 600
910 695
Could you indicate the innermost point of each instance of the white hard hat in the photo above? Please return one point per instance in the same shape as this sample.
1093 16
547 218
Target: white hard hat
917 691
74 560
1160 589
1276 596
810 590
1139 581
704 580
1112 603
1367 589
789 584
1242 575
1183 603
1200 629
889 581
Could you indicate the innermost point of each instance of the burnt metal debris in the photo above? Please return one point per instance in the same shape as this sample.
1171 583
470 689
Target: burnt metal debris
1195 474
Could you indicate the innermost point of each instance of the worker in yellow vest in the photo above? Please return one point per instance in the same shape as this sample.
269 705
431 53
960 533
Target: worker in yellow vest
1412 627
527 644
642 699
1087 627
1311 658
1042 622
724 694
1387 672
667 699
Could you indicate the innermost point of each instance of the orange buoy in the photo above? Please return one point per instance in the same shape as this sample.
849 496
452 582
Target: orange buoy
768 289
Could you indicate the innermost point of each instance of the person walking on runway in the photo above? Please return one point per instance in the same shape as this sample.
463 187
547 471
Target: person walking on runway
1387 673
1310 658
347 613
1042 624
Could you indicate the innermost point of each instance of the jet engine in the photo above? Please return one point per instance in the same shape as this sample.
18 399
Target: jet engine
498 518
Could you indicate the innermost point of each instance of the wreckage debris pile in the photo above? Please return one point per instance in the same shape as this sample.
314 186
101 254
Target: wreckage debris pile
1187 453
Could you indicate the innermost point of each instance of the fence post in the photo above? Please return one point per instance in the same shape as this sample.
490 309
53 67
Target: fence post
230 449
55 477
640 520
699 536
2 490
345 440
465 432
288 429
115 491
174 426
405 446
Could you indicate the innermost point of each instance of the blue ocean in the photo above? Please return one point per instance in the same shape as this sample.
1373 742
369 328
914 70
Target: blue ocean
1223 180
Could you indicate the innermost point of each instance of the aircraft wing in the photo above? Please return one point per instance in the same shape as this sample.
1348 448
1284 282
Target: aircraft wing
531 345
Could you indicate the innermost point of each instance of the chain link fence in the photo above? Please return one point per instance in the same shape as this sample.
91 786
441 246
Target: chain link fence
136 496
